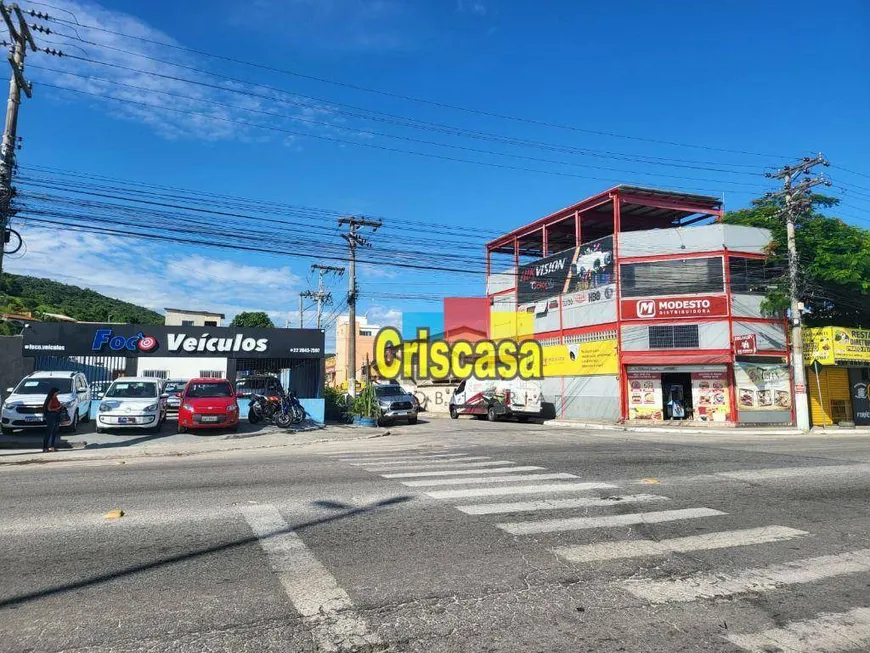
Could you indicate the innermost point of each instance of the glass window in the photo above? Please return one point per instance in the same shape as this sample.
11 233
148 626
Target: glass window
199 390
132 390
210 323
683 336
753 276
187 323
43 385
678 277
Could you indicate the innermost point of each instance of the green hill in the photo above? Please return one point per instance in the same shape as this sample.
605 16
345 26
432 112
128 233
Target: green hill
20 294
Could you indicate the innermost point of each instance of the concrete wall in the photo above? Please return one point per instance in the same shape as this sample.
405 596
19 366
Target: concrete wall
13 366
711 335
175 318
591 397
501 281
587 313
707 238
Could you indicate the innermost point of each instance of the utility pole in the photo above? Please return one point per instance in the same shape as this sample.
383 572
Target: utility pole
21 37
354 240
796 198
301 310
322 297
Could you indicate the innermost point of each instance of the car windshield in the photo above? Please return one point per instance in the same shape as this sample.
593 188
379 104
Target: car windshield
43 385
196 390
132 390
175 386
389 390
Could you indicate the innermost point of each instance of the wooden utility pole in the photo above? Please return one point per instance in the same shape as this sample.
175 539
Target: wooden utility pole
354 240
796 197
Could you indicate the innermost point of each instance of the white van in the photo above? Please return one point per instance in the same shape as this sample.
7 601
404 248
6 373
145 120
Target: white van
497 398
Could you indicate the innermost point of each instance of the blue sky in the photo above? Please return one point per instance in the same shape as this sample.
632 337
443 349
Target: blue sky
780 79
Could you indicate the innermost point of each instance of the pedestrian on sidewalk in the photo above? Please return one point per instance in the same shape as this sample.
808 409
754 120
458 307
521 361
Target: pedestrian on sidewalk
51 409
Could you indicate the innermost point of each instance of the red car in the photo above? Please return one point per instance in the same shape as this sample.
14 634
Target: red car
208 404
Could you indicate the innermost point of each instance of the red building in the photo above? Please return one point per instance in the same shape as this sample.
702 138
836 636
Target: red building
675 292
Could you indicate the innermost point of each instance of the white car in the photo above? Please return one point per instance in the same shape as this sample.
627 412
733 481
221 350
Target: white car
132 403
23 407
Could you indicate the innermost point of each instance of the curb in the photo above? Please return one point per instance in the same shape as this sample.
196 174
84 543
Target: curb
596 426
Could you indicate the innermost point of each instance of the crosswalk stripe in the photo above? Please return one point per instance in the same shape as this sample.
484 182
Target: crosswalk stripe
482 461
578 523
827 633
463 472
543 488
405 458
488 479
761 579
556 504
324 606
706 542
795 472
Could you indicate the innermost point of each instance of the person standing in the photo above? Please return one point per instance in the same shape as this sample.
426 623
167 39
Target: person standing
51 409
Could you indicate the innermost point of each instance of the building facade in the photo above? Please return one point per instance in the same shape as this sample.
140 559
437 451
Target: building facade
191 318
838 375
653 306
365 348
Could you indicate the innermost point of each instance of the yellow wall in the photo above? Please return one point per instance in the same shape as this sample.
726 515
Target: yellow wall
834 384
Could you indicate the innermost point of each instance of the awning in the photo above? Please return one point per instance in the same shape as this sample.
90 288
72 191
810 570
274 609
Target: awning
675 358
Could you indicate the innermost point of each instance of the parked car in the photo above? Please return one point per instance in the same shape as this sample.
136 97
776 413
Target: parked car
23 407
173 389
516 398
208 403
395 404
132 403
98 389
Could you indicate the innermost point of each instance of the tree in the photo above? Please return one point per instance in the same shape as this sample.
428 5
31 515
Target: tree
834 282
252 320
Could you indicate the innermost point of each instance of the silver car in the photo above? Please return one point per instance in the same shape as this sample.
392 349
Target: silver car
395 404
173 389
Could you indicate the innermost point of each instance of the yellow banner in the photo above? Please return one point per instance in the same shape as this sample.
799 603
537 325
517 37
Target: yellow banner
832 345
581 359
511 325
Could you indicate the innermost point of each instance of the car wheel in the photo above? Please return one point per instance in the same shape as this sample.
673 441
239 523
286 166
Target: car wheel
491 415
522 418
181 429
454 414
100 431
5 431
412 420
72 428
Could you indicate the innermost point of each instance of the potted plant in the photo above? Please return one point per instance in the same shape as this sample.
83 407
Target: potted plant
365 407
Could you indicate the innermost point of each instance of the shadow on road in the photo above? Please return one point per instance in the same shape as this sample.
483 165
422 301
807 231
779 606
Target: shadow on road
130 571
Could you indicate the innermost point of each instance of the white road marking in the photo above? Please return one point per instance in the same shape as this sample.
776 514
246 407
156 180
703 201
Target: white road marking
762 579
794 472
463 472
443 464
409 458
578 523
324 606
706 542
556 504
488 479
544 488
827 633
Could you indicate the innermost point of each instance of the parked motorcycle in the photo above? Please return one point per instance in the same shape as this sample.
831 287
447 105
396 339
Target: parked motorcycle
282 411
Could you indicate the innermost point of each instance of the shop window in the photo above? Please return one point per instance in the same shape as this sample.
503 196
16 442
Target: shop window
211 374
210 323
679 277
753 276
187 323
840 410
683 336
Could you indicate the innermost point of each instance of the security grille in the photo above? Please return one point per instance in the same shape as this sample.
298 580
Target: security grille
684 336
156 374
839 410
210 374
548 342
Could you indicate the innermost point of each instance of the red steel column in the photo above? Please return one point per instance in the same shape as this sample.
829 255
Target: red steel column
623 387
732 378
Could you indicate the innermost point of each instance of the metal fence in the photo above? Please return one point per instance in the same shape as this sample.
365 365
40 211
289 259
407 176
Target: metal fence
100 371
300 374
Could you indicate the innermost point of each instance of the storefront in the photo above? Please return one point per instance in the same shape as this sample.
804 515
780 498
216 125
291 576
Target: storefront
838 375
699 393
105 351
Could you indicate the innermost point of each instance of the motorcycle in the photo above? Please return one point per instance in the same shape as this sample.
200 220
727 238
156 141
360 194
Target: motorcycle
282 411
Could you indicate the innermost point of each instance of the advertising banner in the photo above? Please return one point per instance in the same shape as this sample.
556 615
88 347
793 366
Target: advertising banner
581 359
829 345
860 389
645 395
762 386
584 268
663 308
140 340
710 396
745 345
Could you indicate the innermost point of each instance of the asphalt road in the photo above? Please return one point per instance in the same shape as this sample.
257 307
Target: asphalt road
604 542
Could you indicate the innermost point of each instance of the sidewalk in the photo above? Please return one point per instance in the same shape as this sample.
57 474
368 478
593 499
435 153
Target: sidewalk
91 446
860 431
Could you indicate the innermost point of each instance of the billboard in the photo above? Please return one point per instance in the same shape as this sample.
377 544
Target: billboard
829 345
664 308
580 269
762 386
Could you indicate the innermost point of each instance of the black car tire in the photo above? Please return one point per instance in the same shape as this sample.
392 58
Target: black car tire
72 428
412 420
522 418
454 414
182 429
491 415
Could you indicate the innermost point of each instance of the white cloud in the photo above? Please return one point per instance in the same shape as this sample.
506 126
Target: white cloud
384 316
138 272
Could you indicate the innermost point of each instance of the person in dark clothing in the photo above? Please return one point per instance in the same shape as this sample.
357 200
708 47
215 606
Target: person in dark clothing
51 409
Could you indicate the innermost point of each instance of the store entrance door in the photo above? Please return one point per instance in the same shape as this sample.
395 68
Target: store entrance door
677 395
